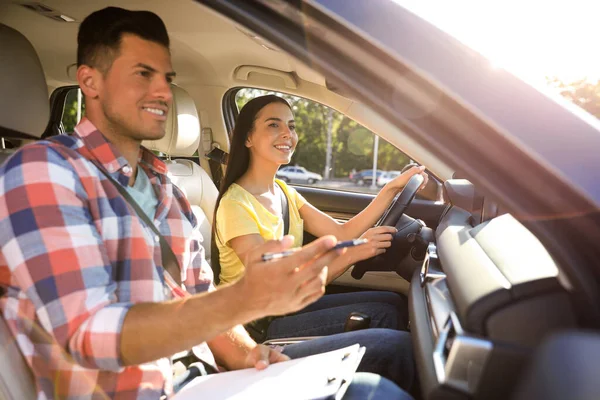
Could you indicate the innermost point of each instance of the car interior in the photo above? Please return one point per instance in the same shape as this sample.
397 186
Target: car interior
483 291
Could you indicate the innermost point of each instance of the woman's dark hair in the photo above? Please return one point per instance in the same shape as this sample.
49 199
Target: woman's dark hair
239 160
100 34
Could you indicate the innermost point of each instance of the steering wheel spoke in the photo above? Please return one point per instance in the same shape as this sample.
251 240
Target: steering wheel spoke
401 202
401 246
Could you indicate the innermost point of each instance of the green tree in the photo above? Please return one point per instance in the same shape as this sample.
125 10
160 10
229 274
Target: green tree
69 118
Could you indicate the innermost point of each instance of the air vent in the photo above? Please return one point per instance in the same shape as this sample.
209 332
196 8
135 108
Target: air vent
46 11
459 359
61 18
38 7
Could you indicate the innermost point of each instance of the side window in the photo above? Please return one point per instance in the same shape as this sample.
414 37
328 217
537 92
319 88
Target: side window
74 109
335 151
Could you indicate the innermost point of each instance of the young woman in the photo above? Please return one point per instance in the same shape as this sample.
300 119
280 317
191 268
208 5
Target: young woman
249 212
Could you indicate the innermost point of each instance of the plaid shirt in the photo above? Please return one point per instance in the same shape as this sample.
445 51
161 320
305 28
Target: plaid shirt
75 257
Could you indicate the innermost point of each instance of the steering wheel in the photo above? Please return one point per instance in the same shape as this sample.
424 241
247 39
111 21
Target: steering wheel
399 257
396 209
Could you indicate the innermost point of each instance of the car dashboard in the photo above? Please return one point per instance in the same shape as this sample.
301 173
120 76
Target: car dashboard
485 296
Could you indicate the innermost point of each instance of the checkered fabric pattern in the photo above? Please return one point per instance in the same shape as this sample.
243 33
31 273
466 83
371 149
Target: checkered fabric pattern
75 258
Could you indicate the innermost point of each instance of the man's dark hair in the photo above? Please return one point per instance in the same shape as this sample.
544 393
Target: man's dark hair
100 34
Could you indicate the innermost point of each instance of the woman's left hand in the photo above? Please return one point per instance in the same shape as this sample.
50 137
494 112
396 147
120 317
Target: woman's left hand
399 182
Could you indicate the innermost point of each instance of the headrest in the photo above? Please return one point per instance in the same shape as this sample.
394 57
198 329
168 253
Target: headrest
24 104
182 136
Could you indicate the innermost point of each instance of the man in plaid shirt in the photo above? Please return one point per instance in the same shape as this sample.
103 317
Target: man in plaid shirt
91 308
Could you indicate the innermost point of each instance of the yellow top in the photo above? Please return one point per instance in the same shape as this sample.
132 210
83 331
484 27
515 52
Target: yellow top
240 213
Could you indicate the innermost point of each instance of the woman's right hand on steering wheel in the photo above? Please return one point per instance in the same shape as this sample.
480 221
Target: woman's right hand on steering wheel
380 238
400 181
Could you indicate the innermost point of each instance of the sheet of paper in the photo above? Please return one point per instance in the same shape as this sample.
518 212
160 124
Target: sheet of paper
313 377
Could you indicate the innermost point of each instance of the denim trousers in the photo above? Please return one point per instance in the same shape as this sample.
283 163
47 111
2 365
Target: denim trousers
366 386
388 352
327 316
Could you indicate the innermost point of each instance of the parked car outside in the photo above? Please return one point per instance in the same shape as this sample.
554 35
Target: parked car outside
387 177
365 176
298 174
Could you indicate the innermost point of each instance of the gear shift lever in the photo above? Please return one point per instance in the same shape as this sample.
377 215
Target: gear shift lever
357 321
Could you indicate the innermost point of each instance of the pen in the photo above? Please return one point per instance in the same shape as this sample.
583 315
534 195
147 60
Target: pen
339 245
277 256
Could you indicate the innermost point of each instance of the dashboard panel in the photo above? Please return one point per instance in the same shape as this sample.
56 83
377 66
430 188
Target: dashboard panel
487 293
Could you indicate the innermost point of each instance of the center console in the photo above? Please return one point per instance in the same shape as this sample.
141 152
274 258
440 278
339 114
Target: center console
483 299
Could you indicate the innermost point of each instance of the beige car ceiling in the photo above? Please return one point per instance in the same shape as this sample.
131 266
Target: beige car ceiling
210 55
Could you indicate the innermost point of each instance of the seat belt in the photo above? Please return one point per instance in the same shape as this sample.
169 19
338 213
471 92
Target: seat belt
169 260
285 211
216 172
258 328
216 157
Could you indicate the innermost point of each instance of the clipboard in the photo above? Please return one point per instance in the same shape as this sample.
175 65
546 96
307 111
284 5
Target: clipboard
349 371
321 376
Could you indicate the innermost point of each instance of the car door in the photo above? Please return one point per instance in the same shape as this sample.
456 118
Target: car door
295 175
284 173
302 175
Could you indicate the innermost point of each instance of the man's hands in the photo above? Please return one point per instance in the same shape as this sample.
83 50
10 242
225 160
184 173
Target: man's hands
289 284
262 356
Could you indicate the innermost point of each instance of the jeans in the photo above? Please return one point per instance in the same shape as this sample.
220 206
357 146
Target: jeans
388 352
327 315
365 386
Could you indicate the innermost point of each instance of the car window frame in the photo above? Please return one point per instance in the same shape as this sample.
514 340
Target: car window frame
231 112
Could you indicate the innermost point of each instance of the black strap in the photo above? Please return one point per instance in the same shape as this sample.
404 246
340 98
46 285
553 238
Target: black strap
285 212
216 172
216 158
169 260
258 329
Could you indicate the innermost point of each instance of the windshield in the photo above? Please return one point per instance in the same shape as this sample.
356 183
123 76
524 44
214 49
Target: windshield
546 43
533 39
